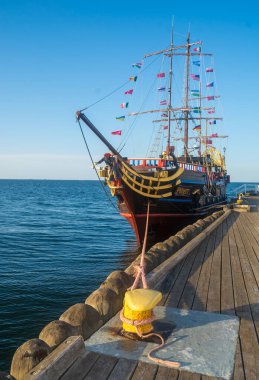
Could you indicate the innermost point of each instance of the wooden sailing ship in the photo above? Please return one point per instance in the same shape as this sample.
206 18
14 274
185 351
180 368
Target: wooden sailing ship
180 187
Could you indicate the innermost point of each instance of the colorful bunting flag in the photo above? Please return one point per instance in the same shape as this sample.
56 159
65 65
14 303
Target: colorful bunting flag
197 127
161 89
195 76
160 75
196 63
196 109
209 70
197 49
165 127
138 65
214 135
163 103
212 110
129 92
164 115
133 79
210 97
210 84
195 92
209 142
213 122
124 105
116 132
120 118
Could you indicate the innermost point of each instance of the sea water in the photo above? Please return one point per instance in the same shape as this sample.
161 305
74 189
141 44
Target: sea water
58 241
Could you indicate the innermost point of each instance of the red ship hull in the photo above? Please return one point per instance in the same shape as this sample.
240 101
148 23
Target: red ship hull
161 226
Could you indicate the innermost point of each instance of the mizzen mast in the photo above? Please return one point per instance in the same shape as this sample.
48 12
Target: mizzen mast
186 123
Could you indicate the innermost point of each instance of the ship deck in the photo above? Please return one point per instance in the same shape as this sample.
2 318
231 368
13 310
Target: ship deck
221 276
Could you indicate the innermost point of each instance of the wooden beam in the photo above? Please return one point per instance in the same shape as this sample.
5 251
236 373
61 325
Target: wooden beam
156 277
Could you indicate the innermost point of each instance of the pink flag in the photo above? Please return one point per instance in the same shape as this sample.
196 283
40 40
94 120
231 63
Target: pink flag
163 103
214 135
165 127
209 70
197 49
212 110
129 92
210 97
116 133
160 75
195 76
209 142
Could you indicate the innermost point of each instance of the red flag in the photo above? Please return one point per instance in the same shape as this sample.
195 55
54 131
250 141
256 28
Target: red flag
160 75
116 133
165 127
214 135
129 92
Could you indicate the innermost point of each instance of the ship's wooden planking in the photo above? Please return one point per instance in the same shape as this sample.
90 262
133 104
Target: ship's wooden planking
222 276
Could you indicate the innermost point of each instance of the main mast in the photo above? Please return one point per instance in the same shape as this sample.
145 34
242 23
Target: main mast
170 93
186 125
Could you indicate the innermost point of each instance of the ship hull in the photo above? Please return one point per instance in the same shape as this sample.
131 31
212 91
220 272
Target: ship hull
161 226
167 215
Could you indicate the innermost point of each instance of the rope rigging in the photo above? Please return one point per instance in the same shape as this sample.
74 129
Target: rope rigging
91 158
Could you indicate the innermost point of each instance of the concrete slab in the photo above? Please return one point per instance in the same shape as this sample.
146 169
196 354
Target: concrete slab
202 342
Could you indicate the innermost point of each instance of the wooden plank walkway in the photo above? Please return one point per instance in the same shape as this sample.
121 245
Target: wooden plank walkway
220 276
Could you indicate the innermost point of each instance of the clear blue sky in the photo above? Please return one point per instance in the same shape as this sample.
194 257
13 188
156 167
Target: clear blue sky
58 56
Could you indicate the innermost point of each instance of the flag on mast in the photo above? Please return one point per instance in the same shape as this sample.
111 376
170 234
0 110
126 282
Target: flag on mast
133 79
124 105
160 75
116 132
163 103
196 109
197 127
196 63
195 92
210 84
120 118
209 70
129 92
195 76
138 65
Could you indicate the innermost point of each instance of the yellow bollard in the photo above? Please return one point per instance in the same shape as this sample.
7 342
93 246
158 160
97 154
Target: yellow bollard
138 306
240 199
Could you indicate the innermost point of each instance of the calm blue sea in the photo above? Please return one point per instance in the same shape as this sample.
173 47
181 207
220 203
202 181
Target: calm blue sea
58 241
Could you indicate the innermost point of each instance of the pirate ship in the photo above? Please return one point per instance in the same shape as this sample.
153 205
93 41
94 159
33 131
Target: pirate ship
181 181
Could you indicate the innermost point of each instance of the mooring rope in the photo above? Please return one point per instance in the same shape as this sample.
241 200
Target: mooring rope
140 274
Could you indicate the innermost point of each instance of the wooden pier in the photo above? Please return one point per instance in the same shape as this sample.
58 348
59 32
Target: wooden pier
221 275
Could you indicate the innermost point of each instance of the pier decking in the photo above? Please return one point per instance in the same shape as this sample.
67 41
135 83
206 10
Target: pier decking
221 276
